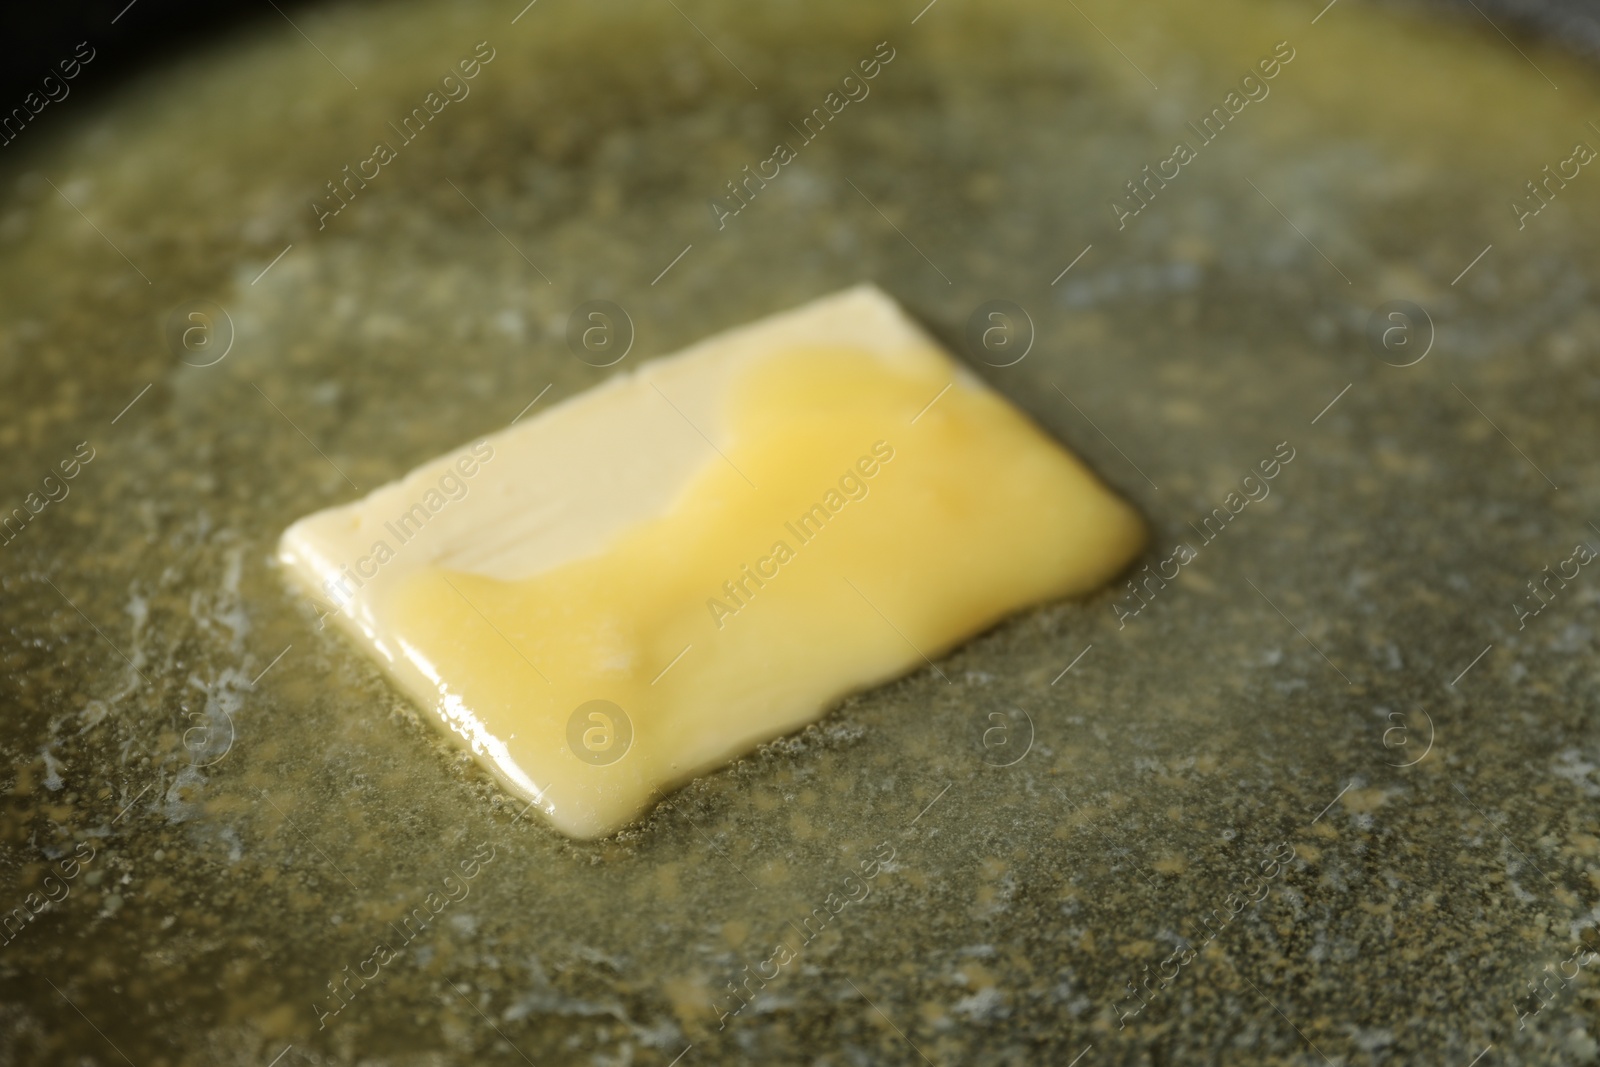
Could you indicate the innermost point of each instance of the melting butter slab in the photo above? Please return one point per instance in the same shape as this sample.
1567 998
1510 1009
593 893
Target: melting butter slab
652 578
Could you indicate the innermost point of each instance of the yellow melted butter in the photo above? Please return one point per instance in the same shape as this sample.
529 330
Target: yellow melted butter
970 513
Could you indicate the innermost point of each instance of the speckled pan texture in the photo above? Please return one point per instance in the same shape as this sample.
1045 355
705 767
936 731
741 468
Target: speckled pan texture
1322 788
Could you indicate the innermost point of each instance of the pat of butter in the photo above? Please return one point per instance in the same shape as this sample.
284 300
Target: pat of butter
659 574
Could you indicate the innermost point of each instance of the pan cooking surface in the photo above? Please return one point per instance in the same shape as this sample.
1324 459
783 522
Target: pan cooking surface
1319 784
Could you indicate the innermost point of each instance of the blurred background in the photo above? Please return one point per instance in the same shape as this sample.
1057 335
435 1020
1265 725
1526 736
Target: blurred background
37 34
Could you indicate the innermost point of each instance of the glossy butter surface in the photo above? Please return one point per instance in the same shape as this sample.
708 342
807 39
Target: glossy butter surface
660 574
